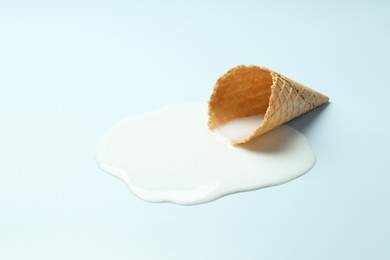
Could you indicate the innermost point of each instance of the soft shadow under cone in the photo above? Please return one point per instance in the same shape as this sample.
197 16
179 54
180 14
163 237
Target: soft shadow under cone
251 90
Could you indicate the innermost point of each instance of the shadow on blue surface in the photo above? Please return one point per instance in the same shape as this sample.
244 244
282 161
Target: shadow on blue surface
277 140
304 122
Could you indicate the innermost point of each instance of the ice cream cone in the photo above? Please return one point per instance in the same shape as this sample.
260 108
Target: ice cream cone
245 91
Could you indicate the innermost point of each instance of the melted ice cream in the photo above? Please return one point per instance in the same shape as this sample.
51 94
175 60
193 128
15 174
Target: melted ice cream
170 156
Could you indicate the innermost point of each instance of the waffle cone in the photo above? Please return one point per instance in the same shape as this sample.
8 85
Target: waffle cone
245 91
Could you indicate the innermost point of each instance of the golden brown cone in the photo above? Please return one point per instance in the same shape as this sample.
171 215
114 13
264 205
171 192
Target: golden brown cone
251 90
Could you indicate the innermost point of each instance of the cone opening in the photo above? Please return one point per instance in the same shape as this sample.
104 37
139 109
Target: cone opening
243 91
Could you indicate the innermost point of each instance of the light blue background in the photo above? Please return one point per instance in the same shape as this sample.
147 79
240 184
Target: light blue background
70 70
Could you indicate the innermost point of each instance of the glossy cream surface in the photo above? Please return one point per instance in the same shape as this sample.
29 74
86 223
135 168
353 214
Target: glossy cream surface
170 156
